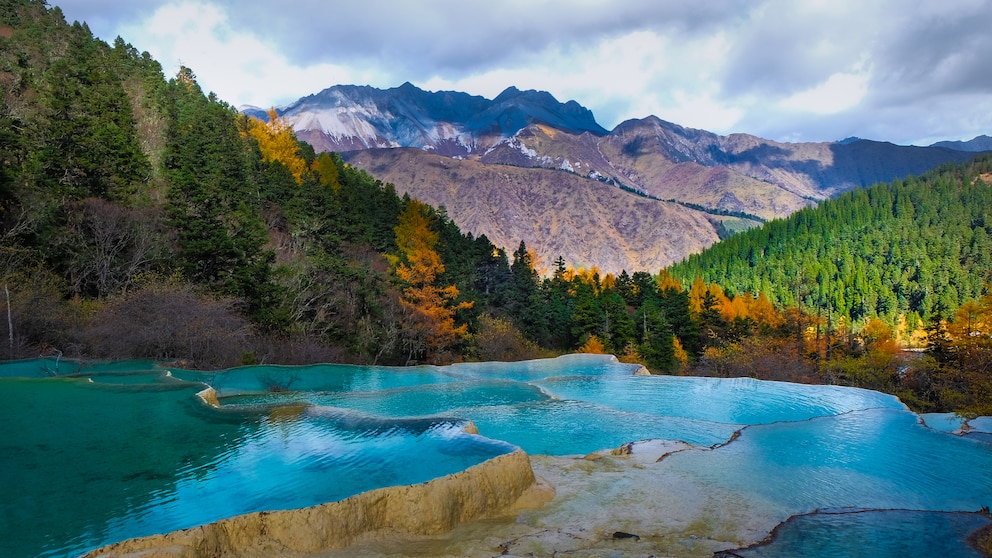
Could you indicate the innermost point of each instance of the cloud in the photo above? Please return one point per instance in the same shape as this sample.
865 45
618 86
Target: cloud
789 47
814 70
610 74
239 66
839 92
937 51
452 37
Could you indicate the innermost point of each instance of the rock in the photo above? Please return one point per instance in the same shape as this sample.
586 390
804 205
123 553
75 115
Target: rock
622 535
209 396
625 449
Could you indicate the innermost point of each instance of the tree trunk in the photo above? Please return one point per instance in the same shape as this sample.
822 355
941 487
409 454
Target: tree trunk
10 322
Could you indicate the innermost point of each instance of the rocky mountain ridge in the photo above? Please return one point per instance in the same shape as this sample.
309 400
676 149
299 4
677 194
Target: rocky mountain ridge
348 117
976 144
644 161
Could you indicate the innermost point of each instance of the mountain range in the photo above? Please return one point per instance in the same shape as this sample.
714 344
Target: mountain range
524 166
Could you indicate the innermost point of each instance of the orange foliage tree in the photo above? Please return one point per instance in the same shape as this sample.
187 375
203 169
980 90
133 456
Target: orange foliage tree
762 311
429 309
592 345
277 142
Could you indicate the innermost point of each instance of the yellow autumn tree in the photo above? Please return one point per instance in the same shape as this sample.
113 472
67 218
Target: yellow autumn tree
592 345
327 169
970 321
429 309
277 142
697 292
740 305
761 310
681 356
609 282
666 281
632 356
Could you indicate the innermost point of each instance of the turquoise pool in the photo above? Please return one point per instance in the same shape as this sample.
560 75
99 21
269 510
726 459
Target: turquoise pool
128 449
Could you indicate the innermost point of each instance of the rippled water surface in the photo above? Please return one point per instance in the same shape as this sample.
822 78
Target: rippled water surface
128 449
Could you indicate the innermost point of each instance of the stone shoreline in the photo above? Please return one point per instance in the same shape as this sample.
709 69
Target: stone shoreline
624 502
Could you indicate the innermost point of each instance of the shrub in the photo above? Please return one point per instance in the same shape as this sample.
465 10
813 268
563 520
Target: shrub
170 322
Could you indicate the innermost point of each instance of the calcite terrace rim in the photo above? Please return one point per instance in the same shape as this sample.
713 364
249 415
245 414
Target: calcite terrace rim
489 489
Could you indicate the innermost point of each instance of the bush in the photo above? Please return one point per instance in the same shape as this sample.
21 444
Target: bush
40 322
499 340
170 322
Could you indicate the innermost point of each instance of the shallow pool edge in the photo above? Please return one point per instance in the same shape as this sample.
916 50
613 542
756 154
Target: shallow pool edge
490 489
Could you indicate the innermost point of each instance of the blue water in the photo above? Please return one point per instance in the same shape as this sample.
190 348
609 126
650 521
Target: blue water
872 533
943 422
127 449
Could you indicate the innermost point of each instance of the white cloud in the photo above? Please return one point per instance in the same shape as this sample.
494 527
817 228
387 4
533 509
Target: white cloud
235 64
839 92
635 75
703 111
809 70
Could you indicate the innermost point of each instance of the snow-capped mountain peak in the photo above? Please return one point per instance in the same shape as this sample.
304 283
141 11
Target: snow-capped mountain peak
349 117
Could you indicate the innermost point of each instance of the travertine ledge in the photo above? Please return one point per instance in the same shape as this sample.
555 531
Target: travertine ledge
486 490
209 396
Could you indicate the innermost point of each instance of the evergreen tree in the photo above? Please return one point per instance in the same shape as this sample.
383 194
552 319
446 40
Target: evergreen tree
657 345
620 324
85 141
625 288
588 317
212 203
521 297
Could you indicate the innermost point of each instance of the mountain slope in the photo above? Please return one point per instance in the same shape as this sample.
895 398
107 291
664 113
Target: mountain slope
739 174
771 179
556 213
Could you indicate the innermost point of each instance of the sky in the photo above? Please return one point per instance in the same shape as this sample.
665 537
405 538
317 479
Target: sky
912 72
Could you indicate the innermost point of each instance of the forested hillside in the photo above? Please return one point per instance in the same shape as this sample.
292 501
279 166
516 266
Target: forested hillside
143 218
915 248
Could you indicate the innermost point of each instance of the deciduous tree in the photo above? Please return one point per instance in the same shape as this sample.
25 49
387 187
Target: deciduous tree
277 141
429 322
